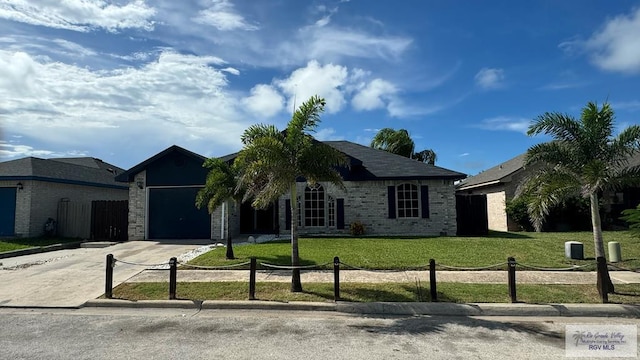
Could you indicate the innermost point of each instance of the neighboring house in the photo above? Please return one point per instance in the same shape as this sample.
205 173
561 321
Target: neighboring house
387 193
31 190
500 183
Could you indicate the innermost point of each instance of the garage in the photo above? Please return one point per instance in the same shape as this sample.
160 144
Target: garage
7 211
162 197
173 215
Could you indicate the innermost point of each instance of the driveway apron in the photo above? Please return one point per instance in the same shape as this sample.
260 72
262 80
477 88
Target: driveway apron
68 278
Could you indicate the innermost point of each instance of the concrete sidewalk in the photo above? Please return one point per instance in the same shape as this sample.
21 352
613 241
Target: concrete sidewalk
485 277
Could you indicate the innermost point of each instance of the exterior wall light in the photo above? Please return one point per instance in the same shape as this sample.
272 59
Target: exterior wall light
140 184
20 186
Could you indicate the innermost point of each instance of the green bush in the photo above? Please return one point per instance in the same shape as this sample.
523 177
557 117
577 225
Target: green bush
516 210
356 228
632 217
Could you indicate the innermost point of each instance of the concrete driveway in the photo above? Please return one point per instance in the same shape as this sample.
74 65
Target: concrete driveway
68 278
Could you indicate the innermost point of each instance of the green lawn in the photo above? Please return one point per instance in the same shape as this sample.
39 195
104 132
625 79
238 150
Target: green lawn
538 249
396 292
23 243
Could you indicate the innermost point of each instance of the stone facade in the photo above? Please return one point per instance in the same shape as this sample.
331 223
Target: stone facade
38 200
367 202
137 207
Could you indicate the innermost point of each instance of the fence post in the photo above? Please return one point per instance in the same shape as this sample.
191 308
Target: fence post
511 272
603 286
432 280
108 286
336 278
252 279
173 274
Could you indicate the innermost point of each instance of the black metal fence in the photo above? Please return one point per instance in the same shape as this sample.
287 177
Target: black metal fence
432 268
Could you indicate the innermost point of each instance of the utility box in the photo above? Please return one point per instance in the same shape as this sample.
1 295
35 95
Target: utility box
574 250
614 251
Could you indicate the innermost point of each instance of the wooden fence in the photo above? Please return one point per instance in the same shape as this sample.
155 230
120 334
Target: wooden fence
98 220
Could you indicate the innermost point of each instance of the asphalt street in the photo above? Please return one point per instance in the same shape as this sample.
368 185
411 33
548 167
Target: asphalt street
95 333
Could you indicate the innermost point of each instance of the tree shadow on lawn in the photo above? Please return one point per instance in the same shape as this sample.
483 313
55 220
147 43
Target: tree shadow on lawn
505 235
285 260
354 294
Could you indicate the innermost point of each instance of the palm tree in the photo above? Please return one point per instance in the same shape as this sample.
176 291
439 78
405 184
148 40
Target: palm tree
426 156
271 161
399 142
220 190
583 160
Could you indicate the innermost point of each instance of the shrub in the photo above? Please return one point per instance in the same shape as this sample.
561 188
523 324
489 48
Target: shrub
516 210
632 217
356 228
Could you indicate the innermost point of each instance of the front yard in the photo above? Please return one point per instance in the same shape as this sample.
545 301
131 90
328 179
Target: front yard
538 249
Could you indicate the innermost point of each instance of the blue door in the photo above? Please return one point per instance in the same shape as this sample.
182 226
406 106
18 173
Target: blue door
7 211
173 215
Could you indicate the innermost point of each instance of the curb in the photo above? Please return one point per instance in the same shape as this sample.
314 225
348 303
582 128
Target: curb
389 308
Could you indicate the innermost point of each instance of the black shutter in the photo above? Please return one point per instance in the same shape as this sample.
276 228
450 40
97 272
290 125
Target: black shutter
391 199
287 214
424 199
340 213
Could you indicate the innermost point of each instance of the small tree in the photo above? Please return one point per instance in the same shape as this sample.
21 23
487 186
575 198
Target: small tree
583 159
220 189
271 162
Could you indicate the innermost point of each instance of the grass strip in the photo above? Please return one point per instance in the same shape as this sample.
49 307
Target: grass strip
537 249
368 292
24 243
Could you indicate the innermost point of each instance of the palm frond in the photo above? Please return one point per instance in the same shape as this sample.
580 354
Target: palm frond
559 126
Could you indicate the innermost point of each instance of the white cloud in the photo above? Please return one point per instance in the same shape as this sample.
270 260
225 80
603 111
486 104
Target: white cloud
80 15
326 81
231 70
175 99
323 21
10 151
464 154
327 134
505 123
223 16
616 46
374 95
265 101
490 78
633 105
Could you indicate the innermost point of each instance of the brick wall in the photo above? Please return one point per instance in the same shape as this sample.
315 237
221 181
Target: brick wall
38 201
367 202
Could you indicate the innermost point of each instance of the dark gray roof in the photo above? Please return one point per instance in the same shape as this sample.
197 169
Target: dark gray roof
495 174
79 171
127 176
381 165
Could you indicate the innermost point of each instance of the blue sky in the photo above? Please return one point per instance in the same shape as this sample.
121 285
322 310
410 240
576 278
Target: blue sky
123 80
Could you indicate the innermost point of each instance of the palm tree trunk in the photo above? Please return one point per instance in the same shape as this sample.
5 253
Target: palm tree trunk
598 242
229 255
296 284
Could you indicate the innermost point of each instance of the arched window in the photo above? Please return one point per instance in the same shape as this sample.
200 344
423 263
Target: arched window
314 210
408 204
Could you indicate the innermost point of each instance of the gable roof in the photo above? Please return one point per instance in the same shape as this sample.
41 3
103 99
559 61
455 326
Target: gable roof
128 175
367 163
498 173
494 175
79 171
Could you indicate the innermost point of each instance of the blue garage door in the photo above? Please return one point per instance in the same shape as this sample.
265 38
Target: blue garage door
173 215
7 211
